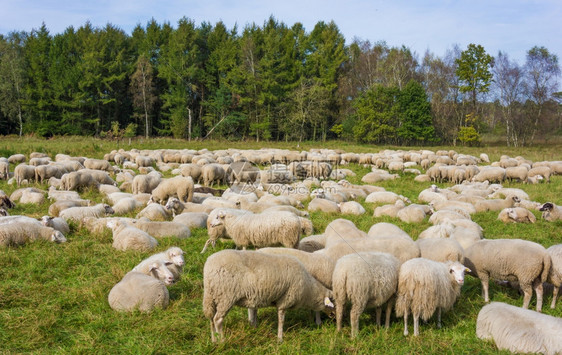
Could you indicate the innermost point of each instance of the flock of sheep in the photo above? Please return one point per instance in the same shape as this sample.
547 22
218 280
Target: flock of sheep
263 208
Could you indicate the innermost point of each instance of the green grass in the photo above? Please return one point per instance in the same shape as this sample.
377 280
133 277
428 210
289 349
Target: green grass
53 298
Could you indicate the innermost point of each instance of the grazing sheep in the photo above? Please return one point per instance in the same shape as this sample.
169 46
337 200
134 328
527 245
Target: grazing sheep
551 212
366 280
212 173
77 214
146 183
24 172
78 180
425 286
491 174
58 206
163 229
519 330
179 186
517 215
127 237
441 249
98 164
512 260
555 274
56 223
192 170
21 232
172 257
254 280
543 171
259 230
108 189
4 170
144 161
142 290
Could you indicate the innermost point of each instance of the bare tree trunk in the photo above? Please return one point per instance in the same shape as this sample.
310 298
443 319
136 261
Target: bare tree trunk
189 125
20 119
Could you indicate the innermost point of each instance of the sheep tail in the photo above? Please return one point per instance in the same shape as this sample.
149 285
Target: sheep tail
546 267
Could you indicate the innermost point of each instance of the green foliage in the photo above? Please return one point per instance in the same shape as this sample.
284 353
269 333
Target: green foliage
414 109
376 115
474 70
469 135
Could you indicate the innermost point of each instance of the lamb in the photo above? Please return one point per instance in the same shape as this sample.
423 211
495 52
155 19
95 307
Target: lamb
555 274
58 206
12 234
24 172
254 280
519 330
142 290
517 215
367 280
179 186
260 230
425 286
163 229
351 207
551 212
146 183
440 249
510 259
127 237
56 223
78 214
172 257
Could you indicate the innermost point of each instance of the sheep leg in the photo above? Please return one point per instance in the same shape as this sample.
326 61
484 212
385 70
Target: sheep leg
439 317
280 321
554 296
218 326
537 285
213 338
484 281
527 294
317 318
356 310
339 314
416 324
406 322
389 306
253 316
379 313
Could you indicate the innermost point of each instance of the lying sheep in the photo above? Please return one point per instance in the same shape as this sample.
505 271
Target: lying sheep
513 260
516 215
6 203
341 230
179 186
127 237
441 249
555 274
32 197
385 197
496 204
57 195
323 205
12 234
551 212
351 207
56 223
78 214
366 280
144 290
172 257
386 230
425 286
411 214
192 219
58 206
259 230
312 243
163 229
126 205
389 210
519 330
438 231
254 280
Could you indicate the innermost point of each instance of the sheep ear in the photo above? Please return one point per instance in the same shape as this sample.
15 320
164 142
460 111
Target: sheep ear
467 270
328 302
153 267
168 263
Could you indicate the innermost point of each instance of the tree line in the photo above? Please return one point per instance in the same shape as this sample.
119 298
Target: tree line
269 82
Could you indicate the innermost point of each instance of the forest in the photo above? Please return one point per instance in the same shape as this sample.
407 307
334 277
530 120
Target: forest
272 82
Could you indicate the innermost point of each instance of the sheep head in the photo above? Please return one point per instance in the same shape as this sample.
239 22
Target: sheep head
457 271
159 271
176 256
548 206
58 237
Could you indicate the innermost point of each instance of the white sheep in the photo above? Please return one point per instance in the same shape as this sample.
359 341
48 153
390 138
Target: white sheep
4 170
146 183
212 173
192 219
438 231
126 205
551 212
56 223
426 286
513 260
58 206
491 174
412 214
255 280
555 274
386 197
157 212
519 330
24 172
259 230
366 280
78 214
441 249
323 205
341 230
312 243
516 215
57 195
389 210
496 204
143 290
400 247
127 237
172 257
21 232
179 186
32 197
163 229
351 207
385 230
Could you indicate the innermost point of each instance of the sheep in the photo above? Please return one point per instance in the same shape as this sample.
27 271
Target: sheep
431 194
4 170
108 189
384 230
351 207
492 174
98 164
126 205
254 280
438 231
179 186
192 170
517 215
509 191
127 237
543 171
551 212
142 290
425 286
510 259
516 173
555 274
519 330
172 257
212 173
466 237
144 161
146 183
77 214
341 230
321 204
56 207
440 249
78 180
20 232
312 243
385 197
3 212
192 219
6 203
366 280
496 204
411 214
163 229
39 161
401 248
443 215
24 172
56 223
16 158
36 198
259 230
389 210
288 209
453 204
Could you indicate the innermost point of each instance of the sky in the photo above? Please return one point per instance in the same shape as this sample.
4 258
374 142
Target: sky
510 26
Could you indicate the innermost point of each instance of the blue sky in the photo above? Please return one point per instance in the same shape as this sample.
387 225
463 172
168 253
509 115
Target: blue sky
512 26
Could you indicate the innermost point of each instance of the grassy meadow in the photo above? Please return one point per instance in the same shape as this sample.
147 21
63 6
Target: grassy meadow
53 298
